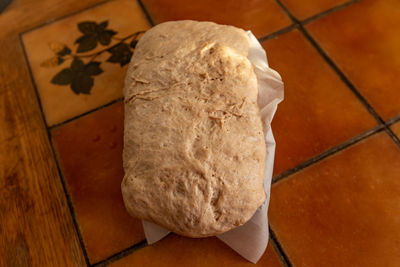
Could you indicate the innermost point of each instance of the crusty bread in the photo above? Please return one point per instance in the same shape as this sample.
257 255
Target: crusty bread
194 149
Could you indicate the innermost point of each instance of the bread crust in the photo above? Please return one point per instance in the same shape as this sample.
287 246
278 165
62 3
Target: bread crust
194 149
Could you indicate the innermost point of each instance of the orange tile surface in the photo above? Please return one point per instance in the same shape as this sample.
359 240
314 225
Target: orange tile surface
260 16
60 102
364 41
318 111
304 9
396 129
90 155
181 251
344 210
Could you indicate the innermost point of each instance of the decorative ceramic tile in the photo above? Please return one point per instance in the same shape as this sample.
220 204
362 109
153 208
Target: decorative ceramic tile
89 150
344 210
21 16
260 16
319 111
79 62
308 8
363 40
181 251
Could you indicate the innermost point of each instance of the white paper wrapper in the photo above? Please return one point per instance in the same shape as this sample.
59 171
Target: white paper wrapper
251 239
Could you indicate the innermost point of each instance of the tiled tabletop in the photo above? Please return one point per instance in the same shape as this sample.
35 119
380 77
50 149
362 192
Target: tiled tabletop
335 198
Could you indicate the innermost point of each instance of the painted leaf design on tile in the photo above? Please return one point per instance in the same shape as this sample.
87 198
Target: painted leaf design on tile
56 47
80 75
105 37
86 43
60 50
52 62
93 33
93 68
64 77
88 27
133 43
64 51
120 54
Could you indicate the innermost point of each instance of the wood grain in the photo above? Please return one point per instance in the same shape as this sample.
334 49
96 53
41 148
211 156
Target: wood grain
23 15
36 228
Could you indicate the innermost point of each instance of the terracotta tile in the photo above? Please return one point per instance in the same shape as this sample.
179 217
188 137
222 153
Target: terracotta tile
21 16
90 154
344 210
181 251
259 16
319 111
364 41
308 8
396 129
60 102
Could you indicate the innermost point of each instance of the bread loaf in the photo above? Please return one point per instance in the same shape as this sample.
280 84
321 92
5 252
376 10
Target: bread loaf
194 149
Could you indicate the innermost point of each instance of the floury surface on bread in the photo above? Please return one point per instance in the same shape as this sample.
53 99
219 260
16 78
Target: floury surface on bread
194 149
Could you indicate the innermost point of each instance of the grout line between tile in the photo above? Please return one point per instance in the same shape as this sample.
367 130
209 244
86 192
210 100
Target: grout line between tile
69 200
393 120
63 183
121 254
86 113
327 153
350 85
50 21
261 39
287 12
275 247
277 33
341 75
144 9
328 11
394 137
278 248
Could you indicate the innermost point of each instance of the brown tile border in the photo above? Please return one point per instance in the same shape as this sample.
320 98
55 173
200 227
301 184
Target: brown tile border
68 197
63 182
